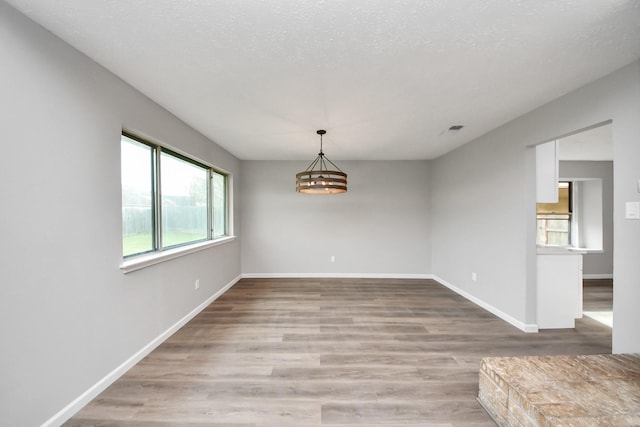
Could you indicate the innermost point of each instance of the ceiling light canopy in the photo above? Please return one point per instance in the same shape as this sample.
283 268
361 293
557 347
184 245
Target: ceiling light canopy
318 178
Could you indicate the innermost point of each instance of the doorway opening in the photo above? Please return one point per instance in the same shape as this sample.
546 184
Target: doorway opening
586 160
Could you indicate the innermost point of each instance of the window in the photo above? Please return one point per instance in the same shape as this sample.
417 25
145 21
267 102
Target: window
183 188
168 200
219 195
554 219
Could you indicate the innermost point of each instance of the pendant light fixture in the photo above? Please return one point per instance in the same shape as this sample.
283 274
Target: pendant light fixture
318 179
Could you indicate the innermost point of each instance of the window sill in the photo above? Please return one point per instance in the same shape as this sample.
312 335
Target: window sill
566 250
590 251
144 261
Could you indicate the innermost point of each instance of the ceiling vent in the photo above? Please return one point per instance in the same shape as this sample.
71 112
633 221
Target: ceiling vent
452 130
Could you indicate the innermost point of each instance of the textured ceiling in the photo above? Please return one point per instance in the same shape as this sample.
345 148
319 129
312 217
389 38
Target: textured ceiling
385 78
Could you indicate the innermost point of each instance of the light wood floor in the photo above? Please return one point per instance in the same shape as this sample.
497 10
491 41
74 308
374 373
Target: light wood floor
598 295
330 352
598 300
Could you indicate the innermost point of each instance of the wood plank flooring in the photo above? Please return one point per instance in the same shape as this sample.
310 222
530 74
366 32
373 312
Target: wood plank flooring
598 295
598 300
327 352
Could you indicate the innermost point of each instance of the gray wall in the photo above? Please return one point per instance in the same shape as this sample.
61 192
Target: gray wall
478 217
68 316
379 227
597 264
487 185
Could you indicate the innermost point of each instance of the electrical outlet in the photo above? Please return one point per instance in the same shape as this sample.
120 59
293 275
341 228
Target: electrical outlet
333 258
197 285
474 276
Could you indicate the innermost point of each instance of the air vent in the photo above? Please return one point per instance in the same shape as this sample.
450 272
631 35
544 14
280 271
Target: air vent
452 130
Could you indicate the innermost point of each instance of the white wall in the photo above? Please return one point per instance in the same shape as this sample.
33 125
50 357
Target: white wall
68 316
591 208
483 212
379 227
597 264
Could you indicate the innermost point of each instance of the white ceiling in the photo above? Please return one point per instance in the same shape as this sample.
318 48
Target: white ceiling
593 145
385 78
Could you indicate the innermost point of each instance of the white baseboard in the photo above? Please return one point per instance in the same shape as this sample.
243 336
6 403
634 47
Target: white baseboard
525 327
333 276
597 276
68 411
